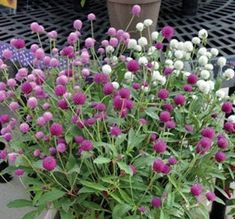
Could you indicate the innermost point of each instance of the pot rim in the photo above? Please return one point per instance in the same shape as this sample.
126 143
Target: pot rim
133 2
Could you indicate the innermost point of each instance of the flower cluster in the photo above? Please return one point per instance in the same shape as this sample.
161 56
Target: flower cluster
128 127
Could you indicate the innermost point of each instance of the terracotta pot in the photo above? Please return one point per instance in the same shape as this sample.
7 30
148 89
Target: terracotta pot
120 14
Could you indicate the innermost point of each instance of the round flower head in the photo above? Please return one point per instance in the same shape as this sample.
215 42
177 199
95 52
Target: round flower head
160 146
158 165
196 190
91 17
208 132
61 147
19 172
18 43
24 128
133 66
60 90
168 32
49 163
26 88
56 129
115 131
77 24
79 98
32 102
192 79
165 116
220 156
222 142
179 99
86 145
172 160
156 202
211 196
227 107
229 127
136 9
7 54
108 88
163 94
170 124
188 87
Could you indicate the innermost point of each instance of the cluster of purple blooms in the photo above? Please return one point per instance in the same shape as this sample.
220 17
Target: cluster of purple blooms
70 97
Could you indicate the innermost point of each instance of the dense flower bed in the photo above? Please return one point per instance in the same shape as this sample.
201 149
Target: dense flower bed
128 129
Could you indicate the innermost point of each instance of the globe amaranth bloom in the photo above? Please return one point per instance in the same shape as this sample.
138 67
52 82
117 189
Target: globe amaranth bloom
168 32
208 132
165 116
179 99
211 196
56 129
220 156
133 66
86 145
156 202
227 107
79 98
49 163
158 165
196 190
163 94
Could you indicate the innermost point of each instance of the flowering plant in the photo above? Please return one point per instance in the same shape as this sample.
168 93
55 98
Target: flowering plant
131 129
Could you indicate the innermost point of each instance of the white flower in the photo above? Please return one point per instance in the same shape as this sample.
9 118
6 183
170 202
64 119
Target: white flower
169 63
188 46
187 56
109 49
228 74
155 65
148 22
140 27
220 93
203 60
174 43
221 61
203 33
106 69
145 89
179 65
211 84
196 40
129 59
138 48
205 74
231 118
209 55
179 54
155 35
195 97
180 46
163 80
214 52
203 86
143 60
114 59
202 51
151 50
129 76
155 75
209 67
186 73
132 43
142 41
115 85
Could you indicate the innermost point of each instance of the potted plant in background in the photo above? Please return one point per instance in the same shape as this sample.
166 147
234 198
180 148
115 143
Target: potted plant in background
134 136
121 18
80 5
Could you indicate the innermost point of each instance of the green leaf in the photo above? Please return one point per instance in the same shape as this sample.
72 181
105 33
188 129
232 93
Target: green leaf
134 139
66 215
19 203
151 113
86 190
83 2
120 210
30 215
53 195
125 167
101 160
92 185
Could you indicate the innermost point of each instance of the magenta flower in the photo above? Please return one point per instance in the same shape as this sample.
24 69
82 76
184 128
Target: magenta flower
192 79
136 86
136 9
62 104
168 107
227 107
188 87
172 160
220 156
7 54
222 143
124 93
156 202
170 124
77 24
188 128
56 129
158 165
4 118
168 32
78 139
79 98
86 145
3 154
179 99
49 163
18 43
60 90
165 116
211 196
19 172
37 153
101 78
115 131
196 190
229 127
163 94
208 132
204 145
61 147
24 127
32 102
91 17
26 88
160 146
133 66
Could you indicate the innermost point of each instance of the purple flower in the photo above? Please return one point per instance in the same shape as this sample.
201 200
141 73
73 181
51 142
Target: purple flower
19 172
7 54
4 118
133 66
203 145
222 143
229 127
156 202
3 154
168 32
168 107
166 169
159 46
192 79
211 196
86 145
60 90
32 102
124 93
196 190
26 88
163 94
101 78
160 146
49 163
89 42
172 160
62 104
24 127
170 124
108 88
61 147
77 24
227 107
78 139
136 86
91 17
188 128
18 43
115 131
79 98
188 87
165 116
167 71
56 129
220 156
136 9
158 165
179 99
208 132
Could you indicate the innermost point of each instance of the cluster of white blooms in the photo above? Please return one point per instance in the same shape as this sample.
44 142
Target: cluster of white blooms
143 60
129 76
106 69
156 76
221 94
228 74
206 86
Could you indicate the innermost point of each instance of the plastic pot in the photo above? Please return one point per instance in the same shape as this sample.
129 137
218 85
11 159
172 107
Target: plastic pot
120 14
